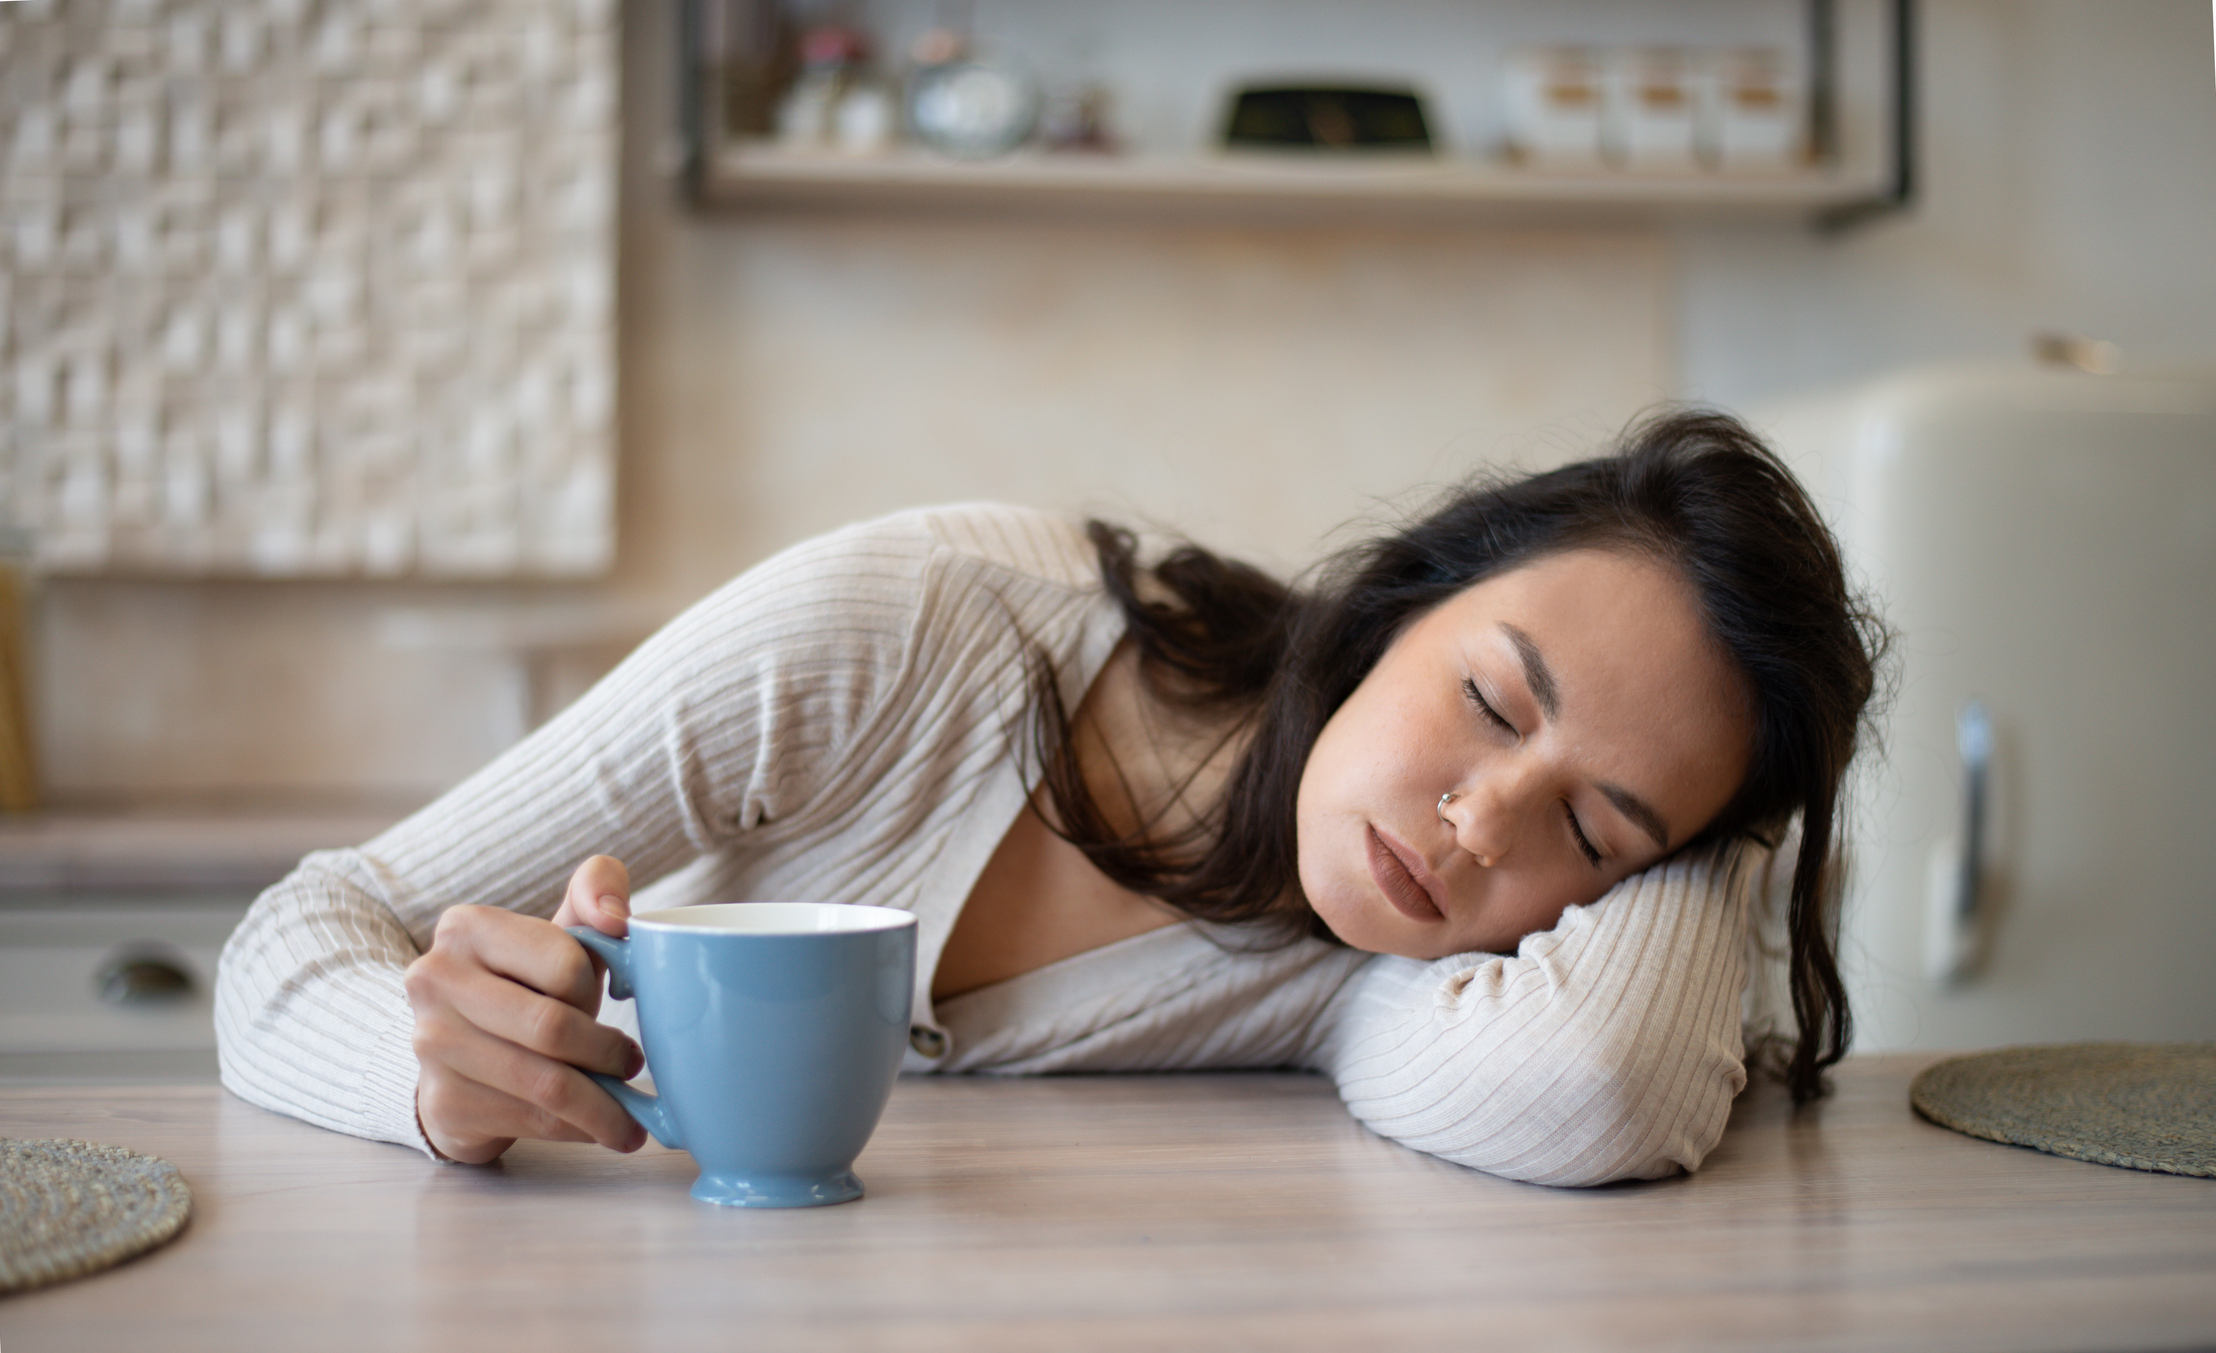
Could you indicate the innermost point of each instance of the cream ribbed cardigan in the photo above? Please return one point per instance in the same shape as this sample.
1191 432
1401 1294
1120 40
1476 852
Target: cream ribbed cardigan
837 724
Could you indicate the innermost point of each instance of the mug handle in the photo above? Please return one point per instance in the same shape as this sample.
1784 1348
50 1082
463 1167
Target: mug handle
646 1109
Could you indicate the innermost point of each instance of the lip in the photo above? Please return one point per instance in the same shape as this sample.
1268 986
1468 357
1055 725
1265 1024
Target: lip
1400 874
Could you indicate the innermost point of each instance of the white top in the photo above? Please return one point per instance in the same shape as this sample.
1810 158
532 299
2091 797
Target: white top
844 723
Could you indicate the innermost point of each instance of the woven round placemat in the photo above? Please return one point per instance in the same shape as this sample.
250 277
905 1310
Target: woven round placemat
68 1208
2143 1106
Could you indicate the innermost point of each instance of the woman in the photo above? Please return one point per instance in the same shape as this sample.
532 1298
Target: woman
1461 826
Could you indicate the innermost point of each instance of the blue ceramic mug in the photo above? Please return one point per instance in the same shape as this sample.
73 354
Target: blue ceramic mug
774 1031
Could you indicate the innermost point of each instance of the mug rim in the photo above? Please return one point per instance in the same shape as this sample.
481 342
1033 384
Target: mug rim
680 920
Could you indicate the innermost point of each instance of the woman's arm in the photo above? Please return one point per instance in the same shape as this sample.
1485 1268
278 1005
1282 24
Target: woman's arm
730 717
1607 1048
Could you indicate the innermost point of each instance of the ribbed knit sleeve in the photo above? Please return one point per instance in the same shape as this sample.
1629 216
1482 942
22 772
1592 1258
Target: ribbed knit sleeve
739 713
1607 1048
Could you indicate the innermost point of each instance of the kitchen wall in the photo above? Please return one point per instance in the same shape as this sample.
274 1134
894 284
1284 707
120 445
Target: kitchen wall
1256 386
2069 184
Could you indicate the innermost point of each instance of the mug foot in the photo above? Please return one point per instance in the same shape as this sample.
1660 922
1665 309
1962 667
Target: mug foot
771 1190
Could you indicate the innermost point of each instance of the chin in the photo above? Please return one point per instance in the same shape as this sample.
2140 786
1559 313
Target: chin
1412 948
1362 927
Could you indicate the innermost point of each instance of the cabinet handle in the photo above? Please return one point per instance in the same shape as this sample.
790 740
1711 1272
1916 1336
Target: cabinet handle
139 977
1959 892
1973 741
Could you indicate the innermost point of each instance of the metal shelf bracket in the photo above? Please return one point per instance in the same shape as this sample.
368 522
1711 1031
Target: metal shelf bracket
1824 123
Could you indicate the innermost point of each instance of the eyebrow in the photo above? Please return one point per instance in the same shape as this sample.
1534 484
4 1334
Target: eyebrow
1537 674
1548 693
1637 809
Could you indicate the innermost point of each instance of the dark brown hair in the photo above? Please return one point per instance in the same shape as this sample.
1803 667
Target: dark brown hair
1696 490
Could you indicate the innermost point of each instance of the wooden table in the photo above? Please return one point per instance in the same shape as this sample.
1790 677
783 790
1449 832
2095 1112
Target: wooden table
1201 1212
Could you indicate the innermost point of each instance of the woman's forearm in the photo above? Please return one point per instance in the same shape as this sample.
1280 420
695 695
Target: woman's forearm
731 716
1607 1048
310 1016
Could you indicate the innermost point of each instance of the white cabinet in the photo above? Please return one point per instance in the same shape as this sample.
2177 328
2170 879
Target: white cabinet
84 896
96 987
2044 543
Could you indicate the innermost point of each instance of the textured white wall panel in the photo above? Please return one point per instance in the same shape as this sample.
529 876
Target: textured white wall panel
309 287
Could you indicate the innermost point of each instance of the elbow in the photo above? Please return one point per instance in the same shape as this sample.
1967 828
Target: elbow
1644 1113
245 1013
1626 1109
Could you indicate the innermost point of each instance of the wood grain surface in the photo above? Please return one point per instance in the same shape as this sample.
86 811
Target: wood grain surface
1204 1212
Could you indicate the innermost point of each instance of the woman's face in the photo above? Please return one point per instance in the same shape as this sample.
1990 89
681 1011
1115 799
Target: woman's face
1581 718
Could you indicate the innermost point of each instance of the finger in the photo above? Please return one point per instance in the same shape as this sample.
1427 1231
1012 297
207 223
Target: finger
465 1148
599 895
523 949
488 1004
544 1098
472 1122
450 1046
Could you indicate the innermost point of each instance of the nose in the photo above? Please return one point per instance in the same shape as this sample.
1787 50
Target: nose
1484 815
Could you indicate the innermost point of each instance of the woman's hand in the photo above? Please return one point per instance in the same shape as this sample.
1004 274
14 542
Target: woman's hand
504 1007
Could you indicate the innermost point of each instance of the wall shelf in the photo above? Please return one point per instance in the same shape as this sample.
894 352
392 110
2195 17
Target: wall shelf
1852 178
1252 184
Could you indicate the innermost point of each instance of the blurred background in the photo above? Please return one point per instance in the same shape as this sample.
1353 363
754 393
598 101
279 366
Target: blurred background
375 376
1254 382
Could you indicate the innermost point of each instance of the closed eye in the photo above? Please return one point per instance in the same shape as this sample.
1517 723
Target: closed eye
1484 706
1585 846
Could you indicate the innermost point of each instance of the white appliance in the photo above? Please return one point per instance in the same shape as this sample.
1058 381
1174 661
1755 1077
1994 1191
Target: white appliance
2035 853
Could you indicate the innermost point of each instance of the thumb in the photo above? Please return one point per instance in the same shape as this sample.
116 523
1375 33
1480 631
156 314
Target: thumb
599 896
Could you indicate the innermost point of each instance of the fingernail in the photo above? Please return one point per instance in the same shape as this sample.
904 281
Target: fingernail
611 905
635 1061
